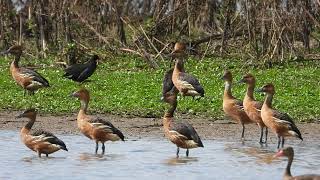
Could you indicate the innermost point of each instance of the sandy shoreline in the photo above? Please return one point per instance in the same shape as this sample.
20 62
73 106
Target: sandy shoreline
136 128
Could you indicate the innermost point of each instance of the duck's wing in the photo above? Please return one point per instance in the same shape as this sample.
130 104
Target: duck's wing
106 126
239 104
186 130
167 84
190 82
285 119
35 76
87 71
44 136
74 70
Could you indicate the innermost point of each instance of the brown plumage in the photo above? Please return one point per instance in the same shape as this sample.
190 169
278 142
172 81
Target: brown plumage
182 134
289 153
253 107
233 107
28 79
94 128
280 123
40 141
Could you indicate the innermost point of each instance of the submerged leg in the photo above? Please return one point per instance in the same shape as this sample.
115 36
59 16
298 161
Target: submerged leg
103 148
282 142
279 140
242 134
47 155
39 154
266 137
97 146
187 153
261 134
177 152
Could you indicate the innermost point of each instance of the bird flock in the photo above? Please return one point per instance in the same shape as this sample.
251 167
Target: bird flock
176 81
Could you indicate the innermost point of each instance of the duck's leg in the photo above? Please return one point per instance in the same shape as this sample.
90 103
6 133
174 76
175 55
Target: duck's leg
97 146
242 134
282 142
187 153
103 148
261 134
266 137
39 154
177 152
279 140
47 155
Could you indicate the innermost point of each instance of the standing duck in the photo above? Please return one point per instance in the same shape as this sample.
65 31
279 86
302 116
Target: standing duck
28 79
182 134
253 107
289 153
167 84
280 123
233 107
40 141
94 128
186 83
80 72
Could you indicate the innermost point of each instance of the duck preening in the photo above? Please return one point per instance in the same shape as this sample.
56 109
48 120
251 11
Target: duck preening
40 141
233 107
94 128
28 79
182 134
280 123
253 107
289 153
80 72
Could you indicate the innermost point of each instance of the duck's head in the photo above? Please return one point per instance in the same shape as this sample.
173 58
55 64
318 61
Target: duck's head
95 57
288 152
248 79
179 50
82 94
14 50
227 76
268 89
29 113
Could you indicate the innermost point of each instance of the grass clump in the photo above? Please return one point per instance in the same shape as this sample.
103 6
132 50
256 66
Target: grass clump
126 86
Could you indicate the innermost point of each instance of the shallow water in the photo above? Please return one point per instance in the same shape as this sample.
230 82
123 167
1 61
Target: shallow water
145 158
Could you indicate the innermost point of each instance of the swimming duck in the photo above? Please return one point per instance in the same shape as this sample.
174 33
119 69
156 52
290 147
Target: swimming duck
182 134
40 141
96 129
80 72
233 107
28 79
289 153
280 123
253 107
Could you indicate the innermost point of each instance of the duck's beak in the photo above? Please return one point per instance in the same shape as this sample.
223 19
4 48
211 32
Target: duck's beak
259 90
241 81
19 116
4 52
75 94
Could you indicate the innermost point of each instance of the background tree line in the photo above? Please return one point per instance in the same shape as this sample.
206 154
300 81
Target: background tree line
269 31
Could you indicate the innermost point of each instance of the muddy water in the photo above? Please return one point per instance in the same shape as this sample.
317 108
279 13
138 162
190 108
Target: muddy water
145 158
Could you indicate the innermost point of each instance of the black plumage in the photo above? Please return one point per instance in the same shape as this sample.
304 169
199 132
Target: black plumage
49 137
80 72
285 118
167 84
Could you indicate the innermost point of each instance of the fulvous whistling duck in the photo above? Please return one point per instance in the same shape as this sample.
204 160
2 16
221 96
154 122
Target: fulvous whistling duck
40 141
253 107
28 79
289 153
187 84
80 72
182 134
280 123
233 107
95 128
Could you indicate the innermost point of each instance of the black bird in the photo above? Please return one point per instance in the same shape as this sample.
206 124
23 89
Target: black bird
80 72
167 84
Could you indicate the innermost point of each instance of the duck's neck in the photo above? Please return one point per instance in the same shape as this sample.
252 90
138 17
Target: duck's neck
287 172
268 100
250 90
168 116
84 106
227 89
179 66
29 125
16 61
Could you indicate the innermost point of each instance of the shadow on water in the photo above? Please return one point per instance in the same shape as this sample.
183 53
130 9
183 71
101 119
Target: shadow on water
99 157
180 161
